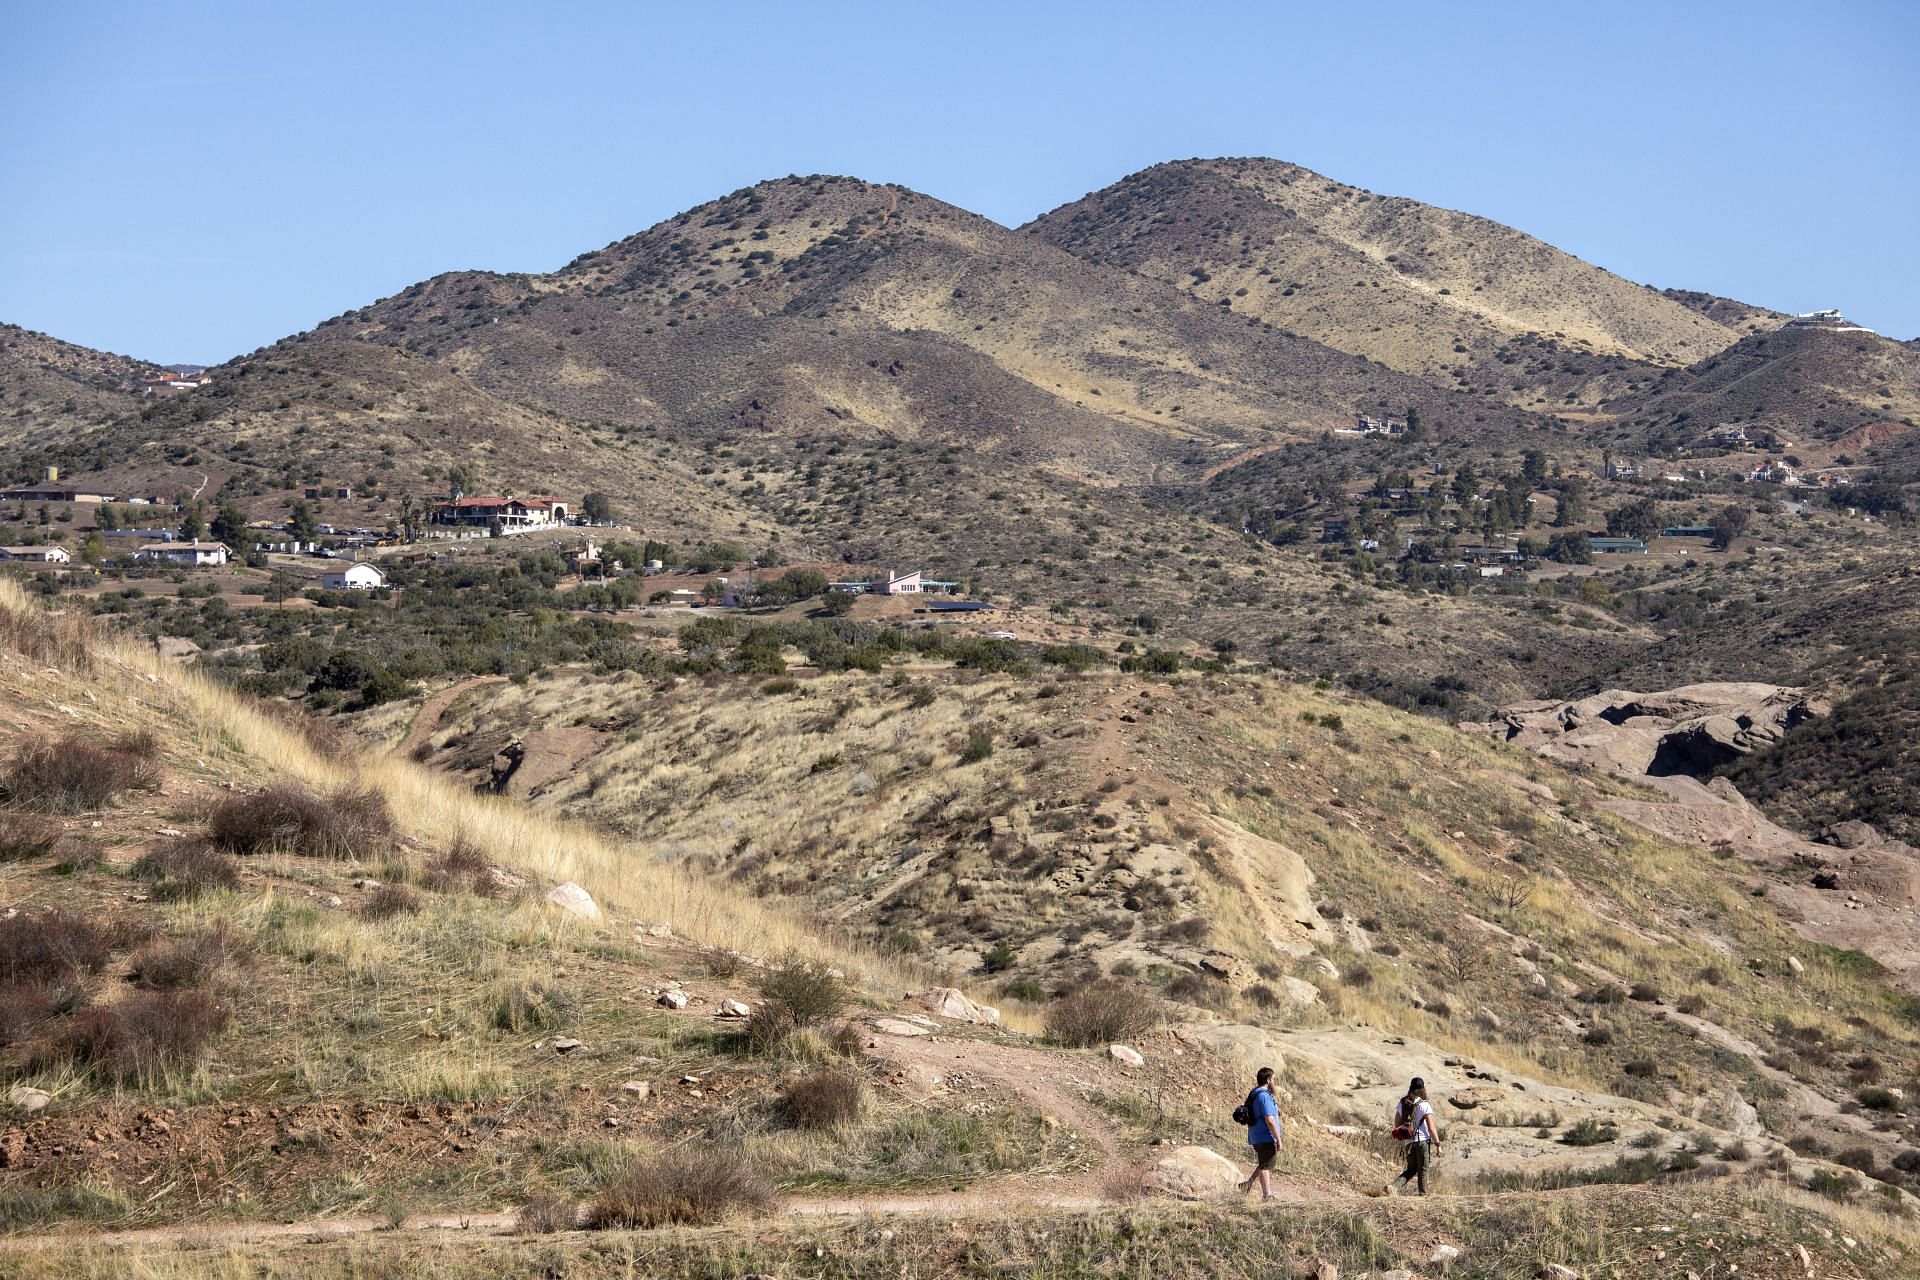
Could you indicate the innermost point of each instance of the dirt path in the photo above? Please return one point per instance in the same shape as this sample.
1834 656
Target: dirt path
1045 1080
427 718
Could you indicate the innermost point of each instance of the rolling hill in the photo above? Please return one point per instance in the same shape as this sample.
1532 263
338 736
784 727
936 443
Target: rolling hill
49 388
1443 295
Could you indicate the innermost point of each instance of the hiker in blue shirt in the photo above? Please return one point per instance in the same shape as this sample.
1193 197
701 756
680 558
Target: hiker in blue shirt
1264 1132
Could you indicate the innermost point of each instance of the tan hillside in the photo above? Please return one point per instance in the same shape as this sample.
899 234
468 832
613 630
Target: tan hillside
830 305
49 387
1432 292
1808 385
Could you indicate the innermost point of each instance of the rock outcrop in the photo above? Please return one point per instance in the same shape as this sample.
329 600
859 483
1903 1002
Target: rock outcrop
1194 1173
956 1006
1690 730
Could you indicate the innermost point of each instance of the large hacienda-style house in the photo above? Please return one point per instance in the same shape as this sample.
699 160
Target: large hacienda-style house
509 515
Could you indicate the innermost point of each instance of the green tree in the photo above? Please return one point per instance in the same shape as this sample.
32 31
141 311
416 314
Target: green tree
1573 505
1533 465
301 523
1637 519
230 526
597 507
1727 524
193 525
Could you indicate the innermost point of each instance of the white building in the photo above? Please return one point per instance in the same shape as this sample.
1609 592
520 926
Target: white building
185 553
36 555
355 577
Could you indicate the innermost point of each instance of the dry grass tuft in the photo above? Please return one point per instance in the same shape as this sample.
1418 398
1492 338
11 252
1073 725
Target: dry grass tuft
544 1215
72 776
825 1099
1101 1012
63 639
28 835
186 868
140 1038
686 1187
391 900
346 822
55 946
173 963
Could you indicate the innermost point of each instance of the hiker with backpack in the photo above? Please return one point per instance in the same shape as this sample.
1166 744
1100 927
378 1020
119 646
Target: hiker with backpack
1261 1114
1413 1129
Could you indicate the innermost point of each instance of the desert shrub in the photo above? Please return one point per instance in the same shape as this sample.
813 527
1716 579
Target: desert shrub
1643 1068
1598 1036
390 900
72 776
138 1039
1860 1158
824 1099
1645 991
1736 1152
27 835
464 866
171 963
979 746
1691 1005
1832 1185
24 1006
795 993
55 946
185 868
1101 1012
544 1215
292 819
1193 929
1876 1098
680 1186
780 685
530 1006
1589 1132
999 957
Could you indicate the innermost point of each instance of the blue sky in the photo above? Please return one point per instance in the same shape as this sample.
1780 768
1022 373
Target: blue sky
191 181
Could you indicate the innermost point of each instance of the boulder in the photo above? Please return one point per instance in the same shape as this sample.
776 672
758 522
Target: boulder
898 1027
919 1081
1122 1054
733 1009
27 1098
637 1090
672 1000
1443 1256
1194 1173
567 1044
571 898
1224 966
1299 991
956 1006
1554 1271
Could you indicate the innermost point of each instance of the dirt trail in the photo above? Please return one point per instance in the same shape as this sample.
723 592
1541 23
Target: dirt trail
427 718
1045 1080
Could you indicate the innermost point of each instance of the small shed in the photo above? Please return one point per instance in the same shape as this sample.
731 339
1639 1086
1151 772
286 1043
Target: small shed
355 577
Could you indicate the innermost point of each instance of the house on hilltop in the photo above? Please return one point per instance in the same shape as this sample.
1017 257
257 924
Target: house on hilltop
509 515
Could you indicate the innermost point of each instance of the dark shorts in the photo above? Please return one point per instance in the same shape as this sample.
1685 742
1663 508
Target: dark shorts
1263 1154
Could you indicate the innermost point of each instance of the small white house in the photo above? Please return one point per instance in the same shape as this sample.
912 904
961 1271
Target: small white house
185 553
355 577
36 555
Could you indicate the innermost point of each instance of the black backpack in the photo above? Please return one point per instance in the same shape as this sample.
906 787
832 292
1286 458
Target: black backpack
1245 1112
